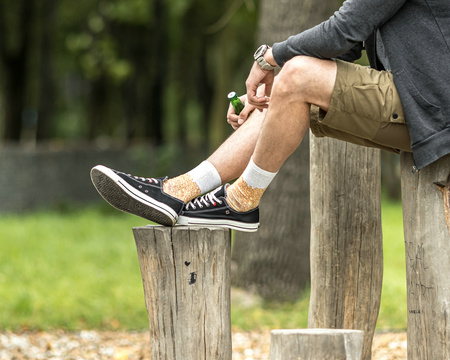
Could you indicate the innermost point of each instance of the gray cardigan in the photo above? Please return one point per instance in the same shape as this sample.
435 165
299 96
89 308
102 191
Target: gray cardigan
416 39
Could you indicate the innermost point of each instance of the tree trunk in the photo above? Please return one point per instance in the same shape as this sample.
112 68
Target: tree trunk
14 56
346 237
426 221
47 85
186 277
99 99
275 260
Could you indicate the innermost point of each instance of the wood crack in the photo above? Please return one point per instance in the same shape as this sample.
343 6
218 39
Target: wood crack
444 188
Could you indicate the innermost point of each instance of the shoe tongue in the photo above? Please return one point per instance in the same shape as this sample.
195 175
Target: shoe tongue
222 191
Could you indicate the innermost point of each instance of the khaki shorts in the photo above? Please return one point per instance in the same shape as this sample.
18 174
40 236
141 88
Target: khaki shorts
365 109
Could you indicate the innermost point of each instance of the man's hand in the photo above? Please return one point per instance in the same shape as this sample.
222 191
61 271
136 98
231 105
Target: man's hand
237 120
256 77
259 76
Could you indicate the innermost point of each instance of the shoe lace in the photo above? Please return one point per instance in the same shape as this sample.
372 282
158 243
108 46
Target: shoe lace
205 200
150 180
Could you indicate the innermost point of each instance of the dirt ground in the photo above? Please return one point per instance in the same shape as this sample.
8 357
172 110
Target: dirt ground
93 345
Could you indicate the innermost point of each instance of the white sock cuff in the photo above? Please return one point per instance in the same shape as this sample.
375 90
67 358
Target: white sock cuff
206 176
256 177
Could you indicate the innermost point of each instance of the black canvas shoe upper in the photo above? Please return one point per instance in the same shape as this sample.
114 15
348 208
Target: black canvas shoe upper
213 209
140 196
153 187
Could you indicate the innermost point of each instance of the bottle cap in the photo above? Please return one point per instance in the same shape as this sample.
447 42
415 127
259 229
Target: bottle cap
231 95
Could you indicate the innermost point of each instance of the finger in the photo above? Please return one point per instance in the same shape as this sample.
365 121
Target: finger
259 101
232 118
252 97
234 125
244 113
234 121
252 83
230 110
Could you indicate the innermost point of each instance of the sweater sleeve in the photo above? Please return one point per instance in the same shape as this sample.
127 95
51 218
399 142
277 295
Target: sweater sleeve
352 23
353 54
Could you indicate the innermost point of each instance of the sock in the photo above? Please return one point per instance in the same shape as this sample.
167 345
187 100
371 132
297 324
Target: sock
206 177
199 180
244 194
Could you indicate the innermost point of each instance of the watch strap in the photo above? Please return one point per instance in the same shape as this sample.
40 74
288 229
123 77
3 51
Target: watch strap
259 58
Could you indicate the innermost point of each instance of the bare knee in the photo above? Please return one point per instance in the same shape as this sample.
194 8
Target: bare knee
306 78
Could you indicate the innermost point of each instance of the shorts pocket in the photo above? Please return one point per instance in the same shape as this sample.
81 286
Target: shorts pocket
371 101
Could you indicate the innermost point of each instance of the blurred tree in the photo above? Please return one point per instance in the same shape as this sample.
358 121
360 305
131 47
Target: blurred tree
47 12
122 69
390 175
275 260
16 20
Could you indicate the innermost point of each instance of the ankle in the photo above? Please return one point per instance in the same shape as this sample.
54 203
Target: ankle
242 197
182 187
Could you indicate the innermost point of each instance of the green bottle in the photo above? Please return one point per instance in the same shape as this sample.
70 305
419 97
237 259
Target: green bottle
237 104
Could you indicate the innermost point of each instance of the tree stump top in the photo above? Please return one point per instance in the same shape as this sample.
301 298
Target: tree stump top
316 332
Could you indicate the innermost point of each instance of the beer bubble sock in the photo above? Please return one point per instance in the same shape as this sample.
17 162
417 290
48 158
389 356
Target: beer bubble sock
194 183
244 194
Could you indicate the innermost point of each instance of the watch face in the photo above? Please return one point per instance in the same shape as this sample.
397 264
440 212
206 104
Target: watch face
260 51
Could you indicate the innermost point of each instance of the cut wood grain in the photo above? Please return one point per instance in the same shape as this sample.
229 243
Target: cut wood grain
346 237
186 277
315 344
427 247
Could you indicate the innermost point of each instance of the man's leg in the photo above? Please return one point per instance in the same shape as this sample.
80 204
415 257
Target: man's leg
302 81
229 160
161 200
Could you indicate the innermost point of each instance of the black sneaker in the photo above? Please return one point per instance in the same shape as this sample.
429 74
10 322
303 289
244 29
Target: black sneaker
137 195
213 210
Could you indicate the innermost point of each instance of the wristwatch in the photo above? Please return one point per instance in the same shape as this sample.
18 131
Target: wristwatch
259 58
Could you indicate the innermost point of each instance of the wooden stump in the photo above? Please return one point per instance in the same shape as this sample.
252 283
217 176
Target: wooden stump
314 344
426 201
186 277
346 238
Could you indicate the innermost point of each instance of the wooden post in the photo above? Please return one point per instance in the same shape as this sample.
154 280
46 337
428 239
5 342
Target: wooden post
313 344
346 238
186 277
426 201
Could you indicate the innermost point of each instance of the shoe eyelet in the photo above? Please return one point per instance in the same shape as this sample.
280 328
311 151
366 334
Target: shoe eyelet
227 212
140 186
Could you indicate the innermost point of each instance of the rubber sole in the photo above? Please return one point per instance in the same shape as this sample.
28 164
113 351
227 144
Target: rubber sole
124 197
235 225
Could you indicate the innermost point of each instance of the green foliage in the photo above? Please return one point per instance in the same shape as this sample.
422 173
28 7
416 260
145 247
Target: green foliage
78 268
113 63
249 312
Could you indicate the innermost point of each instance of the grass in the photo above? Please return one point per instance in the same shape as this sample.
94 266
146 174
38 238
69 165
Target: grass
393 312
70 270
78 269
